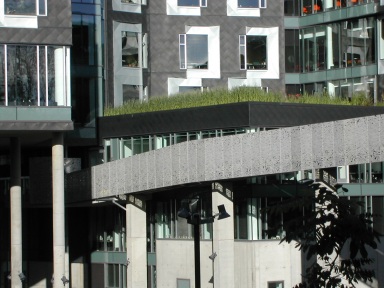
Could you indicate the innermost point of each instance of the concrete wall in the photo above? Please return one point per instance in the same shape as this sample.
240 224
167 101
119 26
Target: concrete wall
256 263
175 259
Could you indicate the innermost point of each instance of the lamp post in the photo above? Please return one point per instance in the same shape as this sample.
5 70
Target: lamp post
193 217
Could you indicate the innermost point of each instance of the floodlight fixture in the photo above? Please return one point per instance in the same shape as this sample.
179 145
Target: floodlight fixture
64 279
213 256
22 277
222 212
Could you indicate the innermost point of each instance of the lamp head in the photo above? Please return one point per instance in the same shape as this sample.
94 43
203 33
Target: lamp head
184 213
222 212
65 280
22 277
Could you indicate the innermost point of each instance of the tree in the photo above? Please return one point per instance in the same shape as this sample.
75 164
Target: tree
334 237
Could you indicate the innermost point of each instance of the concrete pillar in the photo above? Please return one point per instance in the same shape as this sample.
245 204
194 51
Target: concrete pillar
58 209
16 215
223 238
136 243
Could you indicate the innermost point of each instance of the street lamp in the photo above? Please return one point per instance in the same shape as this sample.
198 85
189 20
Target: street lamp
191 213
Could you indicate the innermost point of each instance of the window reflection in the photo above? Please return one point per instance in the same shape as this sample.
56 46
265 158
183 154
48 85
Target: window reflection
193 51
130 49
2 77
131 92
347 44
31 75
22 75
253 52
20 7
169 225
251 3
193 3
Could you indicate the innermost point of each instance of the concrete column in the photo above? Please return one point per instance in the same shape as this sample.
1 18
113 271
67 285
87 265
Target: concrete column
136 243
223 238
58 209
16 215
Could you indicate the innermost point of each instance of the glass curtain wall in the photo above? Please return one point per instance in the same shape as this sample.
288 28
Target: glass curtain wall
307 7
169 226
118 148
108 229
346 44
87 61
255 218
337 45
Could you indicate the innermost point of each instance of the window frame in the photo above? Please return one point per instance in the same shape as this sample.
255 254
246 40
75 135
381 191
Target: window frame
173 8
233 9
213 71
273 56
183 51
243 47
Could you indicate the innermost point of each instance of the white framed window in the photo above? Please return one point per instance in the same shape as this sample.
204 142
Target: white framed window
21 14
199 52
276 284
247 8
193 51
253 52
185 7
177 85
259 52
132 6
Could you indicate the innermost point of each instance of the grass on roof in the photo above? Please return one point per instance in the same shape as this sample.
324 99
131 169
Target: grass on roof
223 96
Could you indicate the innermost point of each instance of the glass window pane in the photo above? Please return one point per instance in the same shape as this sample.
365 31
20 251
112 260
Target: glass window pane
195 3
51 76
257 52
309 50
131 92
83 31
22 75
378 212
184 89
42 7
42 75
248 3
2 76
369 34
197 51
321 47
17 7
292 51
130 49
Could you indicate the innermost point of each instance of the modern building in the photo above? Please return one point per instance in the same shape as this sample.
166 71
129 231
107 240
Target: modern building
126 177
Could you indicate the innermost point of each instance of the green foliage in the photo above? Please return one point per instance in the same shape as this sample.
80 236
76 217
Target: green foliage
224 96
334 238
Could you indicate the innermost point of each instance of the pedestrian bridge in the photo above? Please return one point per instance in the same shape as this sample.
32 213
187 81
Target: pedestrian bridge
315 146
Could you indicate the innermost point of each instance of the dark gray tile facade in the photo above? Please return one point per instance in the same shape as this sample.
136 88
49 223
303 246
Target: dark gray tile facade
53 29
163 42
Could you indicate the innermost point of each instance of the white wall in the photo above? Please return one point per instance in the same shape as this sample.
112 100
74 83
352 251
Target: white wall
175 259
257 262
